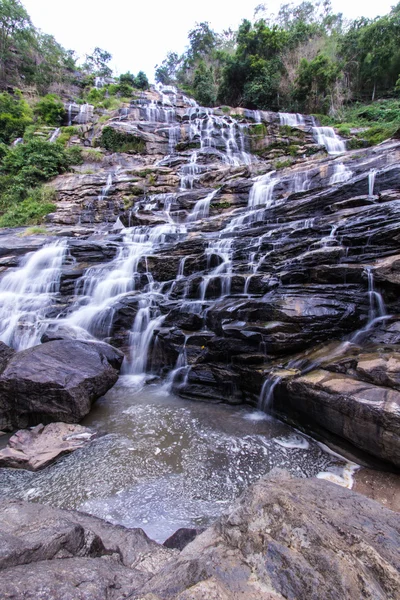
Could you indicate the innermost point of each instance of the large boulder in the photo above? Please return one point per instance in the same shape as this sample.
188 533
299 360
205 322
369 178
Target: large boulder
300 539
58 554
56 381
357 413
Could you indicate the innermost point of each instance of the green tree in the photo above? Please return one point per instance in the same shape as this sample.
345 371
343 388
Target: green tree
166 72
141 81
204 86
50 109
14 24
15 116
315 83
97 62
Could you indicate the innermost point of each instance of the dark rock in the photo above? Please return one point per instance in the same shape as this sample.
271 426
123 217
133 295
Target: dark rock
6 353
182 537
53 553
57 381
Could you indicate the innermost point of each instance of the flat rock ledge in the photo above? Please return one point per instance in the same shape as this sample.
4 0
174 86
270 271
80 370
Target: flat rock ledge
36 448
285 538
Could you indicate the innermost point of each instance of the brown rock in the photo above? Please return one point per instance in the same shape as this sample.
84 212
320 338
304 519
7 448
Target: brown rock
38 447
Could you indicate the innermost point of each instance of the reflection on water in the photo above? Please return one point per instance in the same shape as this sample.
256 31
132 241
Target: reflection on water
162 463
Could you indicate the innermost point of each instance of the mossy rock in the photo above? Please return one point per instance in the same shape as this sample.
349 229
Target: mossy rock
116 141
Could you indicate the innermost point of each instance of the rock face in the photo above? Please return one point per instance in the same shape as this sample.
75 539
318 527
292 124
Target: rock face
284 538
38 447
57 381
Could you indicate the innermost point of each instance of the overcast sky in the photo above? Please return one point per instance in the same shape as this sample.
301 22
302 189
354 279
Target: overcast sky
139 33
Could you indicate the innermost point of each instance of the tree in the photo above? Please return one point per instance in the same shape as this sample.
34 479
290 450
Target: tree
97 63
204 86
14 23
141 81
202 40
315 83
15 116
166 72
51 110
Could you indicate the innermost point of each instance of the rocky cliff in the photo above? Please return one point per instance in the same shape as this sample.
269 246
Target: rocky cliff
244 255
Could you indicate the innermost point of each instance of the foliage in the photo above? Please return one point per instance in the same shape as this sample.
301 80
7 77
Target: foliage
38 203
117 141
24 170
97 62
15 116
315 84
204 88
50 109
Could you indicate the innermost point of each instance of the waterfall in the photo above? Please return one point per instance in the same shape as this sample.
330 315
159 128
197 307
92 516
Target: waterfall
18 141
55 135
106 188
292 119
140 339
371 181
202 208
27 294
341 174
266 399
326 136
70 114
377 307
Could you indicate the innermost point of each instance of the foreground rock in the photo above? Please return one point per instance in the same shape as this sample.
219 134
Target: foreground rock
57 381
303 539
294 538
36 448
56 554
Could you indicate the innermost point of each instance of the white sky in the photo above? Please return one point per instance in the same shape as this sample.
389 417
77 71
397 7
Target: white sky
139 33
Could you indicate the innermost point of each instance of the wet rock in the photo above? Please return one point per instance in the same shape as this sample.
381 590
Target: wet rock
6 353
57 381
361 414
38 447
289 538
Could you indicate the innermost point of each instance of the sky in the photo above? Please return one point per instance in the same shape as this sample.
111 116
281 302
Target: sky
139 33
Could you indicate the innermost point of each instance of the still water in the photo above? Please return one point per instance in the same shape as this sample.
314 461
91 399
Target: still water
161 462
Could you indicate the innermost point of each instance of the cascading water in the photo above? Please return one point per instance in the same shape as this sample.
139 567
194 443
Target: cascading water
326 136
55 135
341 174
27 295
371 181
106 188
292 119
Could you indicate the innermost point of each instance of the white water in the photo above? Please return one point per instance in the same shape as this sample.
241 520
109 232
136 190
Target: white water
341 174
106 188
326 136
27 294
371 181
292 119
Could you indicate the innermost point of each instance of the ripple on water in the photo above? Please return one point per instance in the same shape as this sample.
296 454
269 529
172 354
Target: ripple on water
162 463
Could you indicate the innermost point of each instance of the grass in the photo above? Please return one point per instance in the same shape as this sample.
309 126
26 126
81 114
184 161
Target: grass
36 230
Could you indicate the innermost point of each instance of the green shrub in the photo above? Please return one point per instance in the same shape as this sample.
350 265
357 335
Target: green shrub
50 110
117 141
92 155
15 116
31 211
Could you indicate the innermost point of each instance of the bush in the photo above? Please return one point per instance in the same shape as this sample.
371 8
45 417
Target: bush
117 141
32 210
15 116
50 109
